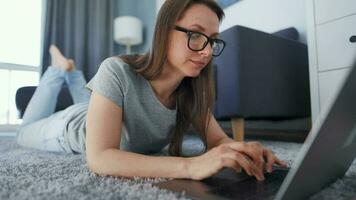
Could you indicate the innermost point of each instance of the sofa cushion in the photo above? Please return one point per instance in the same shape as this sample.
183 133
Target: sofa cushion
289 33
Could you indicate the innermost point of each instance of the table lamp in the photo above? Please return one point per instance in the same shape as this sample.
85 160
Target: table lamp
128 31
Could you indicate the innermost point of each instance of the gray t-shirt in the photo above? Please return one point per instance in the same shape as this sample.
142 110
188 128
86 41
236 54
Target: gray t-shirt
147 124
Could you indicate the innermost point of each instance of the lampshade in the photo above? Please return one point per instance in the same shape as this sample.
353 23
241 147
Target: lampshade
128 31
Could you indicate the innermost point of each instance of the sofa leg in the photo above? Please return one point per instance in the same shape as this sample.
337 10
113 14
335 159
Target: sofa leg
238 128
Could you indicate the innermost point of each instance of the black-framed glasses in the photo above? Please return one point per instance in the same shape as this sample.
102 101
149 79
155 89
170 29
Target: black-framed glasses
197 41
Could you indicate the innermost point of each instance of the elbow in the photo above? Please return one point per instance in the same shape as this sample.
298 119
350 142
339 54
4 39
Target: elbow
101 163
93 164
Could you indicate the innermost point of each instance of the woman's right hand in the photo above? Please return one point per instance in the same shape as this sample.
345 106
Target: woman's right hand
224 155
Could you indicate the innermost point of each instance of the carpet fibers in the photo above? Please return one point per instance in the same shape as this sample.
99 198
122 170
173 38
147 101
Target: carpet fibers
32 174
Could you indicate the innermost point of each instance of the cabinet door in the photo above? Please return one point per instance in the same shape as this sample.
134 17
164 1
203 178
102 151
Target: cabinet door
330 83
326 10
335 50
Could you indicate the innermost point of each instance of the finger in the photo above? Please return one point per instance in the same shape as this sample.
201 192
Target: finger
231 154
271 159
231 163
281 162
249 166
253 150
275 159
241 161
261 164
246 149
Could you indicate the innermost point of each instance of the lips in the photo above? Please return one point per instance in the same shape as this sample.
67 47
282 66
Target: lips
199 63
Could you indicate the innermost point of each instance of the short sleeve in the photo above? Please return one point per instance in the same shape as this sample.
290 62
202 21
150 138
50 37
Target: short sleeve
110 80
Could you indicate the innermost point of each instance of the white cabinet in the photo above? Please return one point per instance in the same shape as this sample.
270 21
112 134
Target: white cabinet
330 26
330 82
326 10
333 43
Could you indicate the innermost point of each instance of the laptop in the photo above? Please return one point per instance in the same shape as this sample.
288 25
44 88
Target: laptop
326 155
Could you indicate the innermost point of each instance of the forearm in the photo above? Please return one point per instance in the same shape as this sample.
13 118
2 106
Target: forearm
126 164
216 135
224 140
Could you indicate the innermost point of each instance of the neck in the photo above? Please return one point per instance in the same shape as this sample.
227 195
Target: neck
166 84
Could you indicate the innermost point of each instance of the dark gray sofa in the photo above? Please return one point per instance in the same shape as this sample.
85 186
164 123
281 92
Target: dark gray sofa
261 76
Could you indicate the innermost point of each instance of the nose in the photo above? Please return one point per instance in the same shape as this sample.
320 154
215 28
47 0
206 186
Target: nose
207 51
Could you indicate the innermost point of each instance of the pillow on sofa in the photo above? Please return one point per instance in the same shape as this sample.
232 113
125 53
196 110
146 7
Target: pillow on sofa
289 33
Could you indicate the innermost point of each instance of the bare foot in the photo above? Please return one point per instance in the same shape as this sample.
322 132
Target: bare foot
58 60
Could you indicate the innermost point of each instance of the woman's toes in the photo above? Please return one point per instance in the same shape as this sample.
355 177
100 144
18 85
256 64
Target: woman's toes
58 60
72 65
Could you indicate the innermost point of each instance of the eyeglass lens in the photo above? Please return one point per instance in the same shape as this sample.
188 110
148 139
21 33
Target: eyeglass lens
198 42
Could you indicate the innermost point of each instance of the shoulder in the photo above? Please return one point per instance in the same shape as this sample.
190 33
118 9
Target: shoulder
114 64
117 69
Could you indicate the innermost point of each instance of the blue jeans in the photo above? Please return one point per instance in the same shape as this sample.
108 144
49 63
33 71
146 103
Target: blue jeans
41 127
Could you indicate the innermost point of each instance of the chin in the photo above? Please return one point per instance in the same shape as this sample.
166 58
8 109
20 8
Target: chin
193 74
192 71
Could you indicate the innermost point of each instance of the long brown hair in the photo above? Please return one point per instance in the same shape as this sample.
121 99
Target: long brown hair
194 96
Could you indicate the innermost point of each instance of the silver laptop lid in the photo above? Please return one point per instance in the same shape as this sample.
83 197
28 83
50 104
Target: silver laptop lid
329 149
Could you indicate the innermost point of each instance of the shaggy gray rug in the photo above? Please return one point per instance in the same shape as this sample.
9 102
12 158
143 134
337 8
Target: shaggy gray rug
32 174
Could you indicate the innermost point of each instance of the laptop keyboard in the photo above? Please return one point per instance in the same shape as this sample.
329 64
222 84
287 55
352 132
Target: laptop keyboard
250 188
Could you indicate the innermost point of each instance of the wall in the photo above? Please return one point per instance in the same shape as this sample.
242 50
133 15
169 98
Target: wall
144 10
159 4
267 15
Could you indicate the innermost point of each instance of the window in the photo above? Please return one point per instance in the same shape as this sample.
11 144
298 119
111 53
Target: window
10 81
20 52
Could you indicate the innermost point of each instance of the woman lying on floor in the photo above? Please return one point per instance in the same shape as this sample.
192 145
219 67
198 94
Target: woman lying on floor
139 104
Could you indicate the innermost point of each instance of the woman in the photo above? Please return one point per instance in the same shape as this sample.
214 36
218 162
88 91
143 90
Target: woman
140 104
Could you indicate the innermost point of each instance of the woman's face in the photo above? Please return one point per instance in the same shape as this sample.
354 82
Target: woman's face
180 58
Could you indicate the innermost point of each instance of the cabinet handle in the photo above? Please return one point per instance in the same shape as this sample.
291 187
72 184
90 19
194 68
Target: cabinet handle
353 38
